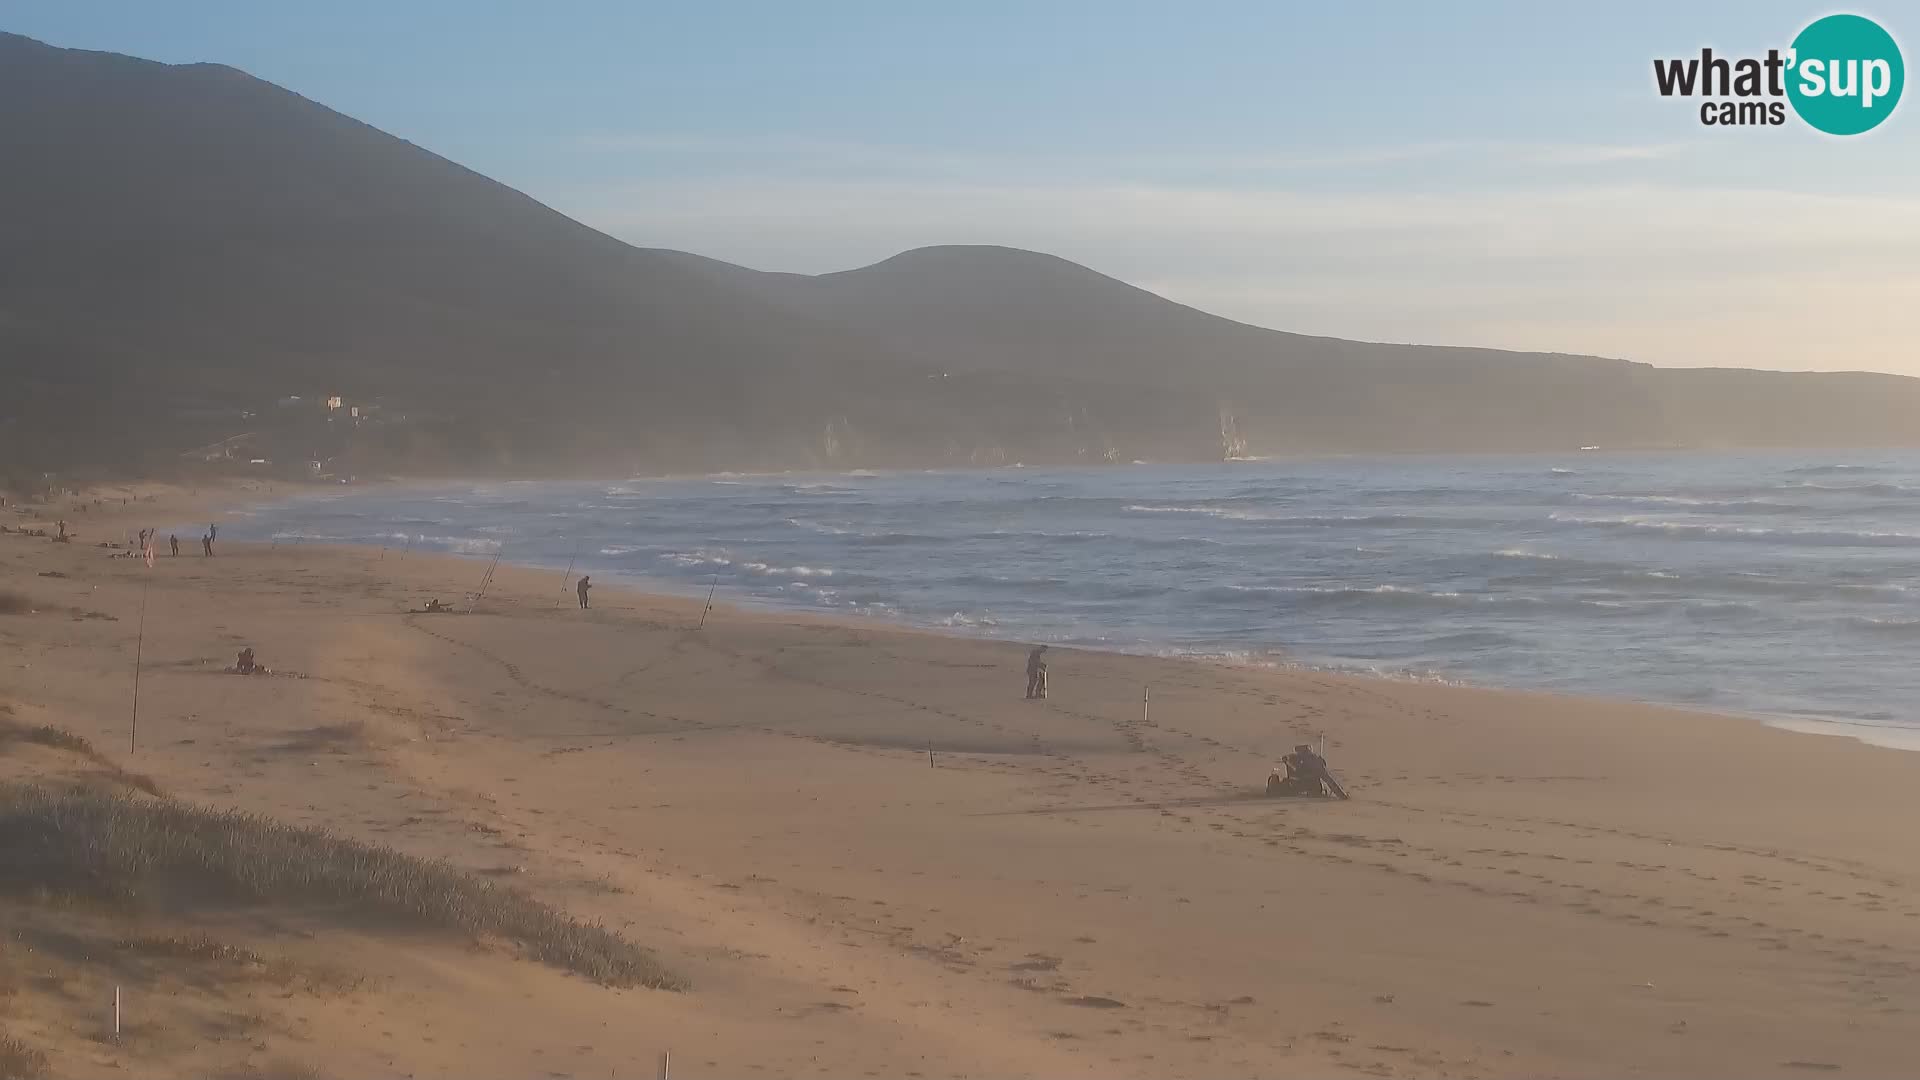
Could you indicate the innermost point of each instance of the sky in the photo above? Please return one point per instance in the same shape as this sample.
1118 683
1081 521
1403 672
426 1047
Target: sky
1498 174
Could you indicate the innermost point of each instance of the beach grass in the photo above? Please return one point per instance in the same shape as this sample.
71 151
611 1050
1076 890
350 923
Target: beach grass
130 850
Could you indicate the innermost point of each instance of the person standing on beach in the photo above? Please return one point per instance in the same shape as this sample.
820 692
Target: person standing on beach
585 584
1037 673
174 539
206 546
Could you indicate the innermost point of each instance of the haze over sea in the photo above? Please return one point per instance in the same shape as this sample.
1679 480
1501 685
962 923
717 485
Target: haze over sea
1780 585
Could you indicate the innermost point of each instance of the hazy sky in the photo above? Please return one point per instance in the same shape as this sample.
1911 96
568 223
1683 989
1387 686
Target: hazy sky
1490 174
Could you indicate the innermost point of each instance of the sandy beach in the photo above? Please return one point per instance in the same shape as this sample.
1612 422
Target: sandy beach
868 855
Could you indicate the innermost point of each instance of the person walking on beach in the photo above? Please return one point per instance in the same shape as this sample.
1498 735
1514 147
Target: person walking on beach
1037 673
206 546
585 584
174 540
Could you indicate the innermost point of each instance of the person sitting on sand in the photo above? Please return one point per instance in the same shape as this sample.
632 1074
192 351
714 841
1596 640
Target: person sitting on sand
585 584
1037 673
1306 773
244 665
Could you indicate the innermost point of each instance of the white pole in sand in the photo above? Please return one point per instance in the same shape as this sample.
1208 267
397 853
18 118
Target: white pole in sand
116 1010
1146 695
666 1064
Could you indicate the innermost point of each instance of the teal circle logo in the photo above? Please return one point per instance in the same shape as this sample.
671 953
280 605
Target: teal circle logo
1846 74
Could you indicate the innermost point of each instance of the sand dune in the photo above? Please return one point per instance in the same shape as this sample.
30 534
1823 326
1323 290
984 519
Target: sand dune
869 856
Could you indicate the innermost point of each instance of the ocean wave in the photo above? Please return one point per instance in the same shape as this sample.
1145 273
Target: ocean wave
1082 536
1556 571
1471 639
1753 584
1334 596
1748 533
1330 521
1402 598
1885 490
692 559
1895 628
458 545
1694 503
760 569
1079 588
1719 610
706 560
896 539
1826 470
817 490
820 527
1370 670
1209 511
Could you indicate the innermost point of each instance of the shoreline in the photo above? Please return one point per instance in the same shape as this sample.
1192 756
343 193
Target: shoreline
649 590
1881 736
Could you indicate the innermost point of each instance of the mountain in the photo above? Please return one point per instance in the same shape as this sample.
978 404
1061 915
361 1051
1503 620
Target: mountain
1003 310
974 309
180 233
181 245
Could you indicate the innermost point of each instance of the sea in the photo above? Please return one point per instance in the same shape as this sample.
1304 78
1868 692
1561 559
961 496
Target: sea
1784 586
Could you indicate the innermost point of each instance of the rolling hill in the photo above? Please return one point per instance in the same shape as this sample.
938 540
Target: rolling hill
181 244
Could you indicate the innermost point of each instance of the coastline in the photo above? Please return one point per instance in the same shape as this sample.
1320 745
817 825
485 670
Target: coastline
798 809
1280 659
